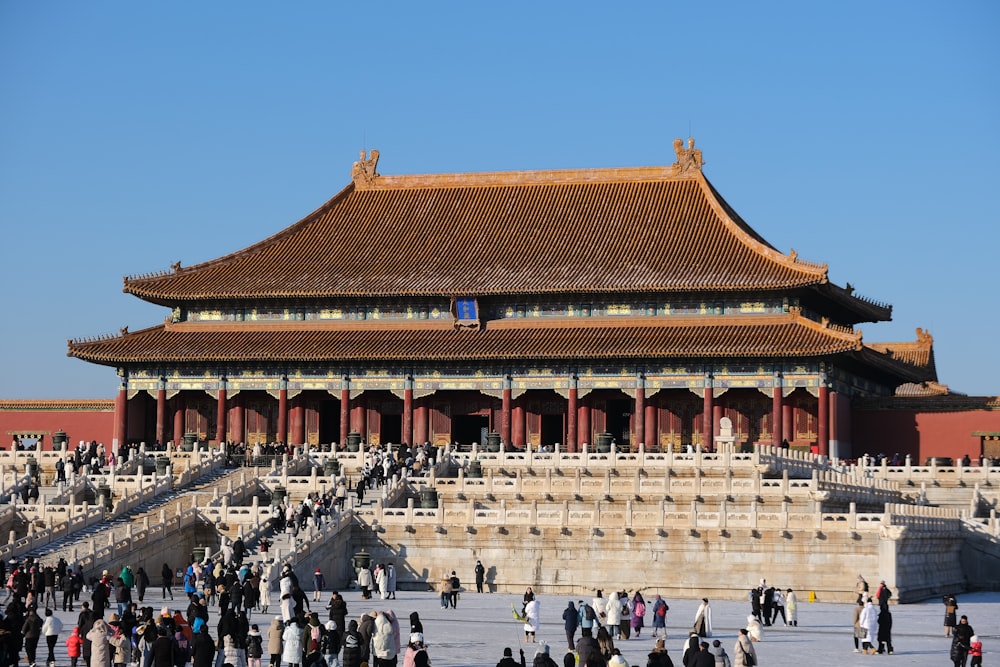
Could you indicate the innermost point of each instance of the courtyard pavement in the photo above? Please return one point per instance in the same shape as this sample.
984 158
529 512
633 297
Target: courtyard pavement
476 633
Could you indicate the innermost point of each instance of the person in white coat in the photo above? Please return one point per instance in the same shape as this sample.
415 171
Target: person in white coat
754 629
703 619
291 644
869 621
613 614
531 613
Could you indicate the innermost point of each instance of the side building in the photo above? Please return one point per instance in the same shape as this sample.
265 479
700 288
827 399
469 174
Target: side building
557 309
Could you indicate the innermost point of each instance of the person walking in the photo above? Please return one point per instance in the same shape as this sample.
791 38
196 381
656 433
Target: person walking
961 641
743 651
660 609
31 632
167 581
571 620
141 583
274 632
638 613
885 631
869 621
74 646
456 586
51 628
857 630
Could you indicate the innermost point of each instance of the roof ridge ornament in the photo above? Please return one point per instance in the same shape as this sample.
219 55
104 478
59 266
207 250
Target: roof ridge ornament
689 159
363 171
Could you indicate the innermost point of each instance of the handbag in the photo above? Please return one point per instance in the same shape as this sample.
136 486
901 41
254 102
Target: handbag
860 632
748 660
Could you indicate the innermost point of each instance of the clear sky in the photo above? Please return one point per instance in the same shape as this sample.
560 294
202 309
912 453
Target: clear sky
136 134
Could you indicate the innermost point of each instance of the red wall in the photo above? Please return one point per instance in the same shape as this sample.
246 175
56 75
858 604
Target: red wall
81 420
921 433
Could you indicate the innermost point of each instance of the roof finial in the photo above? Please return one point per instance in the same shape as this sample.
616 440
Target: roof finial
363 172
688 159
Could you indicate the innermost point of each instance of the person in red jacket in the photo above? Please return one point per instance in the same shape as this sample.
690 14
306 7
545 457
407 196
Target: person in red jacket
74 646
976 651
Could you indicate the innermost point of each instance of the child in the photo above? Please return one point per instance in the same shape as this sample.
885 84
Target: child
976 651
74 646
721 657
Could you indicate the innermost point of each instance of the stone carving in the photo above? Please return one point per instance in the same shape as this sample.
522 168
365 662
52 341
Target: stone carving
688 159
176 266
363 172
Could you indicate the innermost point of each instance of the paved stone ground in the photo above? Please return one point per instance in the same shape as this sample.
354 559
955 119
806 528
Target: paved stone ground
476 633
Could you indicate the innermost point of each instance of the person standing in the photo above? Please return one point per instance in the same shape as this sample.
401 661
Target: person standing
792 607
100 648
51 628
274 632
390 581
703 619
456 586
961 641
883 595
950 611
976 651
508 659
365 582
480 576
319 583
531 613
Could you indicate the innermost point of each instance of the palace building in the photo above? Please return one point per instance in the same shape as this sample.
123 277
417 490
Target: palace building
563 309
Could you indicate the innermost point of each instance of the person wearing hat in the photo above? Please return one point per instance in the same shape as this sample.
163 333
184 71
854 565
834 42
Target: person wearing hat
330 646
416 652
319 583
508 660
542 657
659 657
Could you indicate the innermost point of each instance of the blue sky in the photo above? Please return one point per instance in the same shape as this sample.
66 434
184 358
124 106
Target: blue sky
132 135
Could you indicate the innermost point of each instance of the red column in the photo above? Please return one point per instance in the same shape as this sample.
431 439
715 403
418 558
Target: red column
420 435
239 421
652 441
639 415
823 417
517 427
161 414
707 428
407 436
121 415
505 413
178 434
571 417
359 420
583 428
787 422
283 412
776 414
297 421
220 415
345 411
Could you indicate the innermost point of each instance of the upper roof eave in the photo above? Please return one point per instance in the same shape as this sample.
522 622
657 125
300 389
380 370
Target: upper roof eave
633 266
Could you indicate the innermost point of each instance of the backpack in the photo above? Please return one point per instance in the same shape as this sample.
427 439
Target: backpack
315 636
639 609
183 650
588 612
455 585
661 611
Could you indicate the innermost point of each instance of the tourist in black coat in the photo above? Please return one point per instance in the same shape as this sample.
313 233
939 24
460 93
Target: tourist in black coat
203 649
162 652
961 639
352 646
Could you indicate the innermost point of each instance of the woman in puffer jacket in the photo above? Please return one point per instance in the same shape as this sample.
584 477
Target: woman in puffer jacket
383 643
291 644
